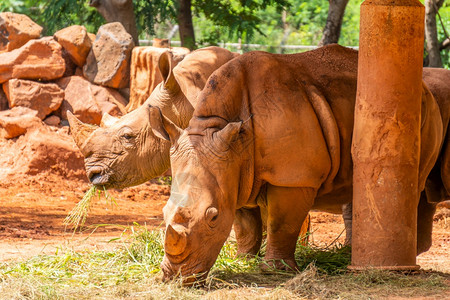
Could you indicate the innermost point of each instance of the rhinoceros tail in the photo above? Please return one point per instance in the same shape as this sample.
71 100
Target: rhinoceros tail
330 132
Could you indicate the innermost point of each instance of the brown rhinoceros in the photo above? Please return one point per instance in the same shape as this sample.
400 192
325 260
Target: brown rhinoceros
279 122
124 152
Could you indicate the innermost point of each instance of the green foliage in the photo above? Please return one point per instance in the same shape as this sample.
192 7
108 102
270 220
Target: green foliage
218 21
150 13
443 34
54 15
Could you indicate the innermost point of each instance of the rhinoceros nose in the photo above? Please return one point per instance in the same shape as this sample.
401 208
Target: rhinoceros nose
95 176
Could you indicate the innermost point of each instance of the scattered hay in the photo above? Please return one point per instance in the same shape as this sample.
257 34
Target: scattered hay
309 283
77 216
132 271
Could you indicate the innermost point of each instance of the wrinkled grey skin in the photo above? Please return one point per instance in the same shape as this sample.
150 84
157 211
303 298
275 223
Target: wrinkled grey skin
124 152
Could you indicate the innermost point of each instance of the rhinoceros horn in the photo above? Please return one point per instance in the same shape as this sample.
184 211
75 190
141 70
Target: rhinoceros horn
175 242
79 130
107 120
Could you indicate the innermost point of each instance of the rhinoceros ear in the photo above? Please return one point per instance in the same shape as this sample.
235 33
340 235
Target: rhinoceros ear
163 127
224 138
107 120
165 65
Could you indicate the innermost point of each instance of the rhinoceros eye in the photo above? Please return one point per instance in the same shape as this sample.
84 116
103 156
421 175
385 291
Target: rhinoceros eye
212 215
127 136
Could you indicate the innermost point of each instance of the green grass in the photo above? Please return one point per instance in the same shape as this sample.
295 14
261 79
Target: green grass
132 271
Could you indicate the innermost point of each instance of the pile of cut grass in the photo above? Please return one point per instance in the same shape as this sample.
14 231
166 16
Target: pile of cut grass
132 271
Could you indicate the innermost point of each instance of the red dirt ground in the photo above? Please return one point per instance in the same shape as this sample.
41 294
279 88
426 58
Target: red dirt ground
32 210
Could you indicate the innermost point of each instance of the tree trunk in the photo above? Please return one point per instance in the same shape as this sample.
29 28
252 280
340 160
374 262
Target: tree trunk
118 11
286 31
431 9
184 17
332 29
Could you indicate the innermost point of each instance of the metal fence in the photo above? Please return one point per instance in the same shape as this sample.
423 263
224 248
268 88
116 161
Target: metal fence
239 47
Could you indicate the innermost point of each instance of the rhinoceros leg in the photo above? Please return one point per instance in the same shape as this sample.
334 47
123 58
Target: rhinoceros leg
347 210
248 229
425 213
287 208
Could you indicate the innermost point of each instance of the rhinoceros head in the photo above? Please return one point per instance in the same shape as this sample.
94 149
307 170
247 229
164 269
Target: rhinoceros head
124 152
199 214
120 152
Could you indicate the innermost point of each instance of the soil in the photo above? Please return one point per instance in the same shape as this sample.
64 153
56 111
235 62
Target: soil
32 210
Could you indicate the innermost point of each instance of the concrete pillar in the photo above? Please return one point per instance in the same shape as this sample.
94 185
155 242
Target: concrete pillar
386 137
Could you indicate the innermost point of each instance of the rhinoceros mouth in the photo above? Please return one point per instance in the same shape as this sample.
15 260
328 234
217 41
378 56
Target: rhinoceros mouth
98 177
99 180
188 276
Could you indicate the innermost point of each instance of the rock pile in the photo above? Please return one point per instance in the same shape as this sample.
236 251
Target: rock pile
41 78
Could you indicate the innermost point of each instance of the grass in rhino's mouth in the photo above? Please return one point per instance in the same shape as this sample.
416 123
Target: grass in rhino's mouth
77 216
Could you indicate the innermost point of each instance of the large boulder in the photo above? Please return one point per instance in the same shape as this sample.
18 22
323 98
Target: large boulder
87 101
75 40
41 150
17 121
37 59
42 97
16 30
109 100
108 62
145 74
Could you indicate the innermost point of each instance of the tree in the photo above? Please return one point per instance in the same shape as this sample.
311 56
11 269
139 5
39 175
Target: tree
332 30
431 35
186 27
118 11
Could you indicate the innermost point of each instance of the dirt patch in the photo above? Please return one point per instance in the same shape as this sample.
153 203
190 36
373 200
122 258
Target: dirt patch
32 210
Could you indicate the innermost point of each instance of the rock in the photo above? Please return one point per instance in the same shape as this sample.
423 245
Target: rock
125 92
16 30
161 43
78 99
16 121
41 97
71 67
78 72
52 120
108 62
92 37
3 101
76 41
88 102
37 59
109 100
145 74
43 150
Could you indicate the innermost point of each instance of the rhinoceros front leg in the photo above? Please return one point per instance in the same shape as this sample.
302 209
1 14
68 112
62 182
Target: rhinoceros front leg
248 229
287 208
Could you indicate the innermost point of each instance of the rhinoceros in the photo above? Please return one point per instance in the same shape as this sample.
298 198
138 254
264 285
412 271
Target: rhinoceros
124 152
282 123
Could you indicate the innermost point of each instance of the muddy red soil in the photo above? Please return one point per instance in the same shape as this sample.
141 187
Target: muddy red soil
32 210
